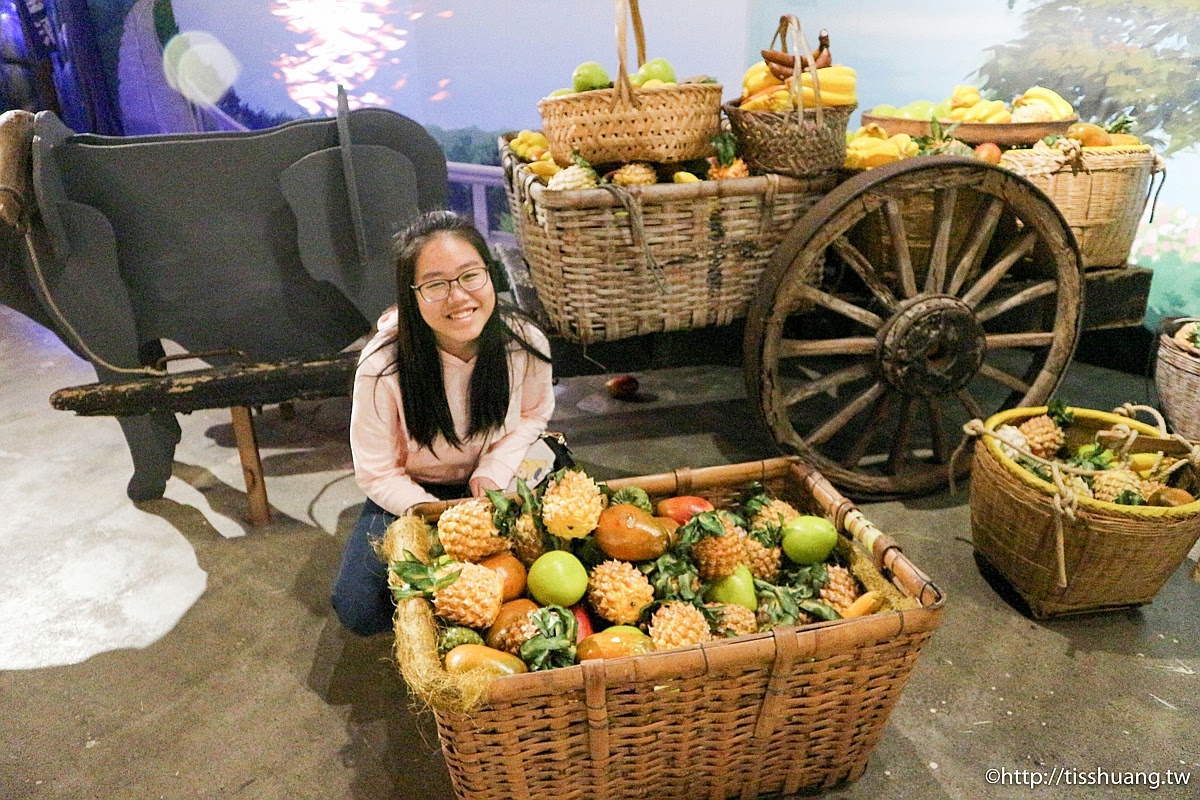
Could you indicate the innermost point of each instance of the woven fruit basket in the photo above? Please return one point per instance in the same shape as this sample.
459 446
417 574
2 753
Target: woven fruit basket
796 708
613 262
1101 191
1177 376
1065 552
627 123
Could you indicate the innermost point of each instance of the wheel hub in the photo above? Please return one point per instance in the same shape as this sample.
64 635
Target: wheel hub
932 346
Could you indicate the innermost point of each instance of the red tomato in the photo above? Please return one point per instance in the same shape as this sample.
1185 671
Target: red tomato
682 508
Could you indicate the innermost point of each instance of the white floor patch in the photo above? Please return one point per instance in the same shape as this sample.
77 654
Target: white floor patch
76 590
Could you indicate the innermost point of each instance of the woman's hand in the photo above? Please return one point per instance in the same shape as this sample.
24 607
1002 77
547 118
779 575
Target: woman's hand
479 486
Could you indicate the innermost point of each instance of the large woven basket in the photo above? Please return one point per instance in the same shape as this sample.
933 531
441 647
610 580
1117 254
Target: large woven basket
1101 192
1177 379
612 263
794 709
627 123
1110 556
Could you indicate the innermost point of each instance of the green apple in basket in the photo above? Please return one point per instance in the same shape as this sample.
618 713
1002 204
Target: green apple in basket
590 75
656 69
808 539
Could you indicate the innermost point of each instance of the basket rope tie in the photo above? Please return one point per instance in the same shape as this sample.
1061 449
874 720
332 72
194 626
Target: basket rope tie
1065 503
638 228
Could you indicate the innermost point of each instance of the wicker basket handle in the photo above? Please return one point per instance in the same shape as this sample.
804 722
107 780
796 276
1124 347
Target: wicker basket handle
791 23
623 89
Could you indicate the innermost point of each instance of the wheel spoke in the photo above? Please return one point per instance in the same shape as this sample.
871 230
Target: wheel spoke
977 245
1003 378
825 383
850 346
858 262
1009 341
970 404
900 251
838 305
898 454
989 279
937 432
881 411
831 426
1030 294
944 204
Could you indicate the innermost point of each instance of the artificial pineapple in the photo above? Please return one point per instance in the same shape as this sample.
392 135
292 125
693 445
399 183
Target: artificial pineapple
635 173
571 504
763 554
726 163
730 619
514 633
841 590
462 593
772 512
1042 436
1111 484
528 541
468 531
619 591
722 548
678 624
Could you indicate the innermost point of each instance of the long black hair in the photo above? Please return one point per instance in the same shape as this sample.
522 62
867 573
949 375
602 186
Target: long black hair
418 365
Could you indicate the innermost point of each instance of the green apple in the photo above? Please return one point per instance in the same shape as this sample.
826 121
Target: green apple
737 589
883 110
561 92
917 109
656 69
589 75
809 539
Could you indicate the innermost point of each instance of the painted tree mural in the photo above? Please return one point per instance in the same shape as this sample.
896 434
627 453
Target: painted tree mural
1138 57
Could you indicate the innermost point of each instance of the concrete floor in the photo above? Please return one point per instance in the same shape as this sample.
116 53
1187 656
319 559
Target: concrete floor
170 650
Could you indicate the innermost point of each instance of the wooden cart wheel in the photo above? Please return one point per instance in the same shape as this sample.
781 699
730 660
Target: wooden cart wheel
909 300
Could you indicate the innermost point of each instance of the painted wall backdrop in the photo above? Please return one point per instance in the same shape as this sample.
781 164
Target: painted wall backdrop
482 65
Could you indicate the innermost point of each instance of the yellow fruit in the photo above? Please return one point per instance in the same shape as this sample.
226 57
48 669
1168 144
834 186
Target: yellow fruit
964 97
1062 109
544 169
834 80
684 177
571 505
618 591
634 173
1042 436
1033 111
757 78
733 619
772 98
1124 139
473 599
1089 134
678 624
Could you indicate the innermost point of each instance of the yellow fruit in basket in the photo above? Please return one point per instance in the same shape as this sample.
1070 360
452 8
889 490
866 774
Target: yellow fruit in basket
770 98
1033 111
838 79
684 177
544 169
1124 139
757 78
1089 134
653 83
964 97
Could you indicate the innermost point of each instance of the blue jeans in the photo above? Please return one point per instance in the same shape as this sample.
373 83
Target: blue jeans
361 596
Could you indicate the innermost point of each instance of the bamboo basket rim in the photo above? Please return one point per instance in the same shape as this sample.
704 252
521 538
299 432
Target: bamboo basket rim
818 637
1047 488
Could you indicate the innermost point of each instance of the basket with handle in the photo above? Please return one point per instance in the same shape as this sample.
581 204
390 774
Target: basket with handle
1101 191
1177 376
792 709
1070 554
799 143
666 124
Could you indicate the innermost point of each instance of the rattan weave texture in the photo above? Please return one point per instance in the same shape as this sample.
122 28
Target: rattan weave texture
1177 379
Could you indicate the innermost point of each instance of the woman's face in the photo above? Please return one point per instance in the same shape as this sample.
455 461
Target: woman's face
458 319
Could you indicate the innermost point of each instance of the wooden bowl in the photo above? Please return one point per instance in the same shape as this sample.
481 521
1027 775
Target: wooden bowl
1007 133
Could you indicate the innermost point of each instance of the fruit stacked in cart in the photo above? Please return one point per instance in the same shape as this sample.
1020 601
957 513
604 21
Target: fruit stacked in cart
532 147
574 571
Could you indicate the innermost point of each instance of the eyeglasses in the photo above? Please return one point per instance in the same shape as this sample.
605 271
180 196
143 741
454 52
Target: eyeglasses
438 290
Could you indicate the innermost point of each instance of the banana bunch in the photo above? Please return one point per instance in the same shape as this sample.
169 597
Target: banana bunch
985 111
964 97
870 146
530 145
1037 96
839 86
757 78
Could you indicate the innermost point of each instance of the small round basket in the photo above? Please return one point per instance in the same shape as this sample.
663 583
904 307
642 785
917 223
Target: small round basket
1072 555
790 143
1177 377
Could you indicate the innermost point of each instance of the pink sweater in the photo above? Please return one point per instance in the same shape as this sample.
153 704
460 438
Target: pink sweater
389 466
